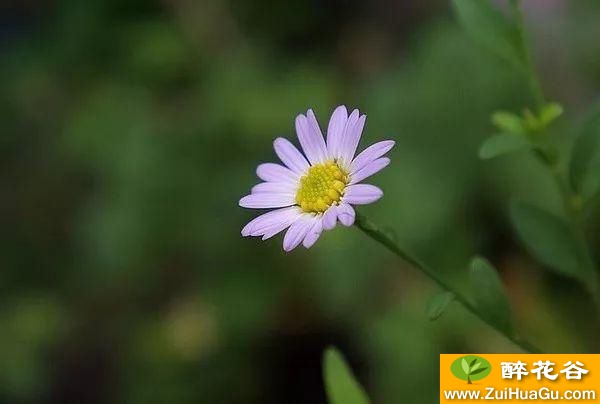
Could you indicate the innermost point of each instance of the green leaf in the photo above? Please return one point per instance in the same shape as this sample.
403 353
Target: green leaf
533 123
477 371
475 367
488 292
508 122
584 170
340 383
438 303
472 363
465 366
490 28
502 144
550 112
548 238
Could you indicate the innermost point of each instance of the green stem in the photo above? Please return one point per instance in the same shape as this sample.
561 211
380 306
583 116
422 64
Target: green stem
526 53
370 229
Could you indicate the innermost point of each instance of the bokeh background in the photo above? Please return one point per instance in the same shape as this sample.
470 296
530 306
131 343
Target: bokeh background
131 128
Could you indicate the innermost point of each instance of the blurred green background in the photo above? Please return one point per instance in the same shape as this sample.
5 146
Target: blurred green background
131 128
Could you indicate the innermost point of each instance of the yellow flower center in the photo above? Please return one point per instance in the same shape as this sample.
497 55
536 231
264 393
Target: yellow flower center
321 187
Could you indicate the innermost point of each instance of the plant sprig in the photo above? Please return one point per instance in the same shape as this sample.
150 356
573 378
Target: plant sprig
482 276
530 132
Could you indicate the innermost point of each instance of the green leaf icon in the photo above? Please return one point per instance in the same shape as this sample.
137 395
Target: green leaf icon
340 383
476 372
465 366
470 368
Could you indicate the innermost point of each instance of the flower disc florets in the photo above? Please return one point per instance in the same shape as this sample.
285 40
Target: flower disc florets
321 187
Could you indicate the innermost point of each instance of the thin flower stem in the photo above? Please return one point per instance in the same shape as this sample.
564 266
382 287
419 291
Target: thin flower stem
370 229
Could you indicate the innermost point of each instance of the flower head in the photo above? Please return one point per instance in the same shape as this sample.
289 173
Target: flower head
311 192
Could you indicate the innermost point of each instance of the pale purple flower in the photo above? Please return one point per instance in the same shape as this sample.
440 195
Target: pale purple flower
311 192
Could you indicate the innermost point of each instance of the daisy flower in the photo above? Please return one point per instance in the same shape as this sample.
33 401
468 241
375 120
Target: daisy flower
311 192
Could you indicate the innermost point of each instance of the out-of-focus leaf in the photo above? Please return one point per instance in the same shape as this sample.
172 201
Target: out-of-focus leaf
475 367
504 143
477 371
584 171
438 303
533 123
550 112
488 292
490 28
340 383
507 122
548 238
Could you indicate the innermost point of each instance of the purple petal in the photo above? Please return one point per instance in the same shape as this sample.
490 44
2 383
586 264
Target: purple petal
274 230
350 123
259 225
267 200
370 169
335 130
330 217
276 173
284 224
352 134
275 188
313 234
370 154
346 214
311 140
362 194
297 232
290 156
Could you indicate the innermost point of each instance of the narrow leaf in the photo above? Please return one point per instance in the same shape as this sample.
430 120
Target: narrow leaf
550 112
584 170
502 144
507 122
437 304
490 28
475 367
478 371
465 366
472 363
548 238
488 293
340 383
